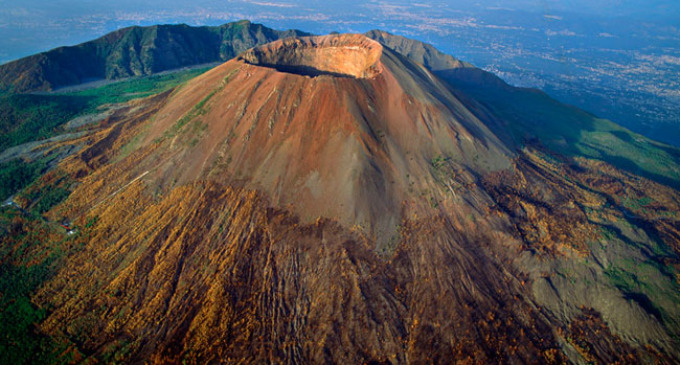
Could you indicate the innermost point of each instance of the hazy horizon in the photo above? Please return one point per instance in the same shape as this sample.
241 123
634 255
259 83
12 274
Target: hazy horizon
617 59
35 26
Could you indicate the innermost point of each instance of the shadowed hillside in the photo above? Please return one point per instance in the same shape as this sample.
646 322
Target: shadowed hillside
134 51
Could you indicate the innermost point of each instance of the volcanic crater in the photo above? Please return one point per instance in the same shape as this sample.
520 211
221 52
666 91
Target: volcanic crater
346 55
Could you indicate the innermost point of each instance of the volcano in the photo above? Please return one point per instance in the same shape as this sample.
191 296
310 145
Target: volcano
334 126
337 199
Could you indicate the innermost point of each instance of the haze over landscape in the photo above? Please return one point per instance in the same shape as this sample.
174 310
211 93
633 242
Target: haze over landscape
617 59
382 182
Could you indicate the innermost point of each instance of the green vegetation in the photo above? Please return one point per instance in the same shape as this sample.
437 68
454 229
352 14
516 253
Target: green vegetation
30 117
47 192
27 259
129 147
117 352
438 162
138 87
31 252
648 283
26 118
50 198
637 205
197 110
91 222
531 116
17 174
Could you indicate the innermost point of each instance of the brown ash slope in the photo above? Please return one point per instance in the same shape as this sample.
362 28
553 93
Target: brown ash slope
328 200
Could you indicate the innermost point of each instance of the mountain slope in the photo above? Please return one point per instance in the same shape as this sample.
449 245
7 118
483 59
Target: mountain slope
380 123
532 116
327 200
134 51
523 116
418 52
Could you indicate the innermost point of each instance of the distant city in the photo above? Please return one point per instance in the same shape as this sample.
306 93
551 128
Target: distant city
623 66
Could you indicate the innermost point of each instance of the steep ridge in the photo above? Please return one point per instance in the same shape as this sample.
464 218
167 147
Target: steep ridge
134 51
327 200
418 52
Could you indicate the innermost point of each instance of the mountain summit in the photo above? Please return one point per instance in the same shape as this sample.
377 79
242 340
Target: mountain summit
333 199
338 126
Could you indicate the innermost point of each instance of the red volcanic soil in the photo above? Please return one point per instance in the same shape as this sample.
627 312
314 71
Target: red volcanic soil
335 126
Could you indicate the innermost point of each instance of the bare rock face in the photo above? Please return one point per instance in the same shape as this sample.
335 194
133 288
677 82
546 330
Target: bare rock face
345 55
